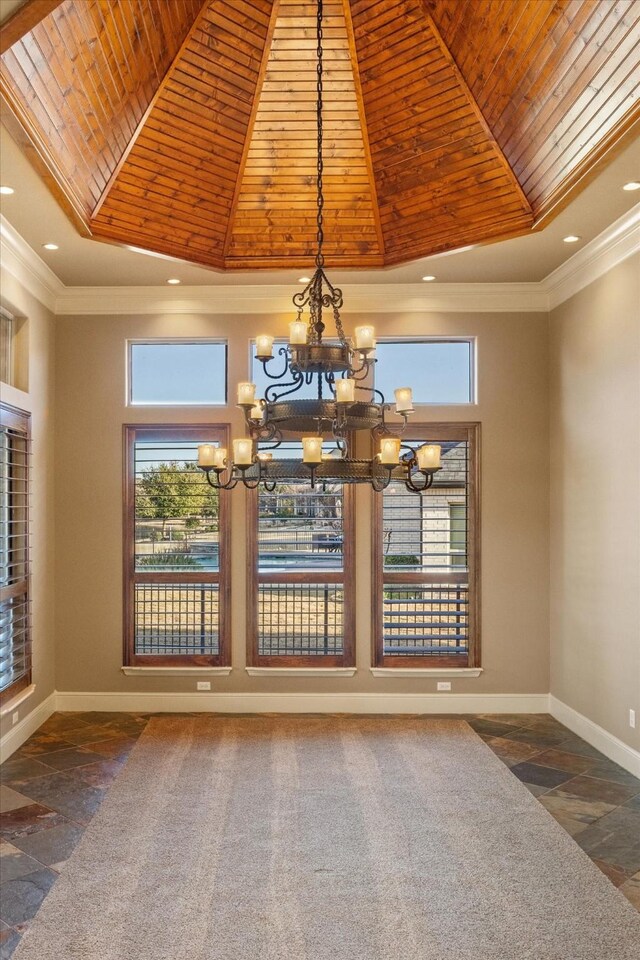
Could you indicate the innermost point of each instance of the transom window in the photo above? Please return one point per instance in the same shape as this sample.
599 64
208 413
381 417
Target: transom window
176 550
438 371
177 372
425 560
300 590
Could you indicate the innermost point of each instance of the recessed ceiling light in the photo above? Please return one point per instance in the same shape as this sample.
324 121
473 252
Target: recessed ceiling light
6 191
173 281
50 246
632 185
304 279
572 238
429 278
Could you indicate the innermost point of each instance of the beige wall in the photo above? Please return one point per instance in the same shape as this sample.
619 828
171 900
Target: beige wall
513 392
36 375
595 501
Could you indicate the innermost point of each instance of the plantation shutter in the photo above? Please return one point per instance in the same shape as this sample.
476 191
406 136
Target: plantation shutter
15 637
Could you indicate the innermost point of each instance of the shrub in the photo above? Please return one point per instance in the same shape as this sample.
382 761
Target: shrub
167 559
401 560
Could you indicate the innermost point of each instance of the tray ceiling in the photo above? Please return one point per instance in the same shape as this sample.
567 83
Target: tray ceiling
188 128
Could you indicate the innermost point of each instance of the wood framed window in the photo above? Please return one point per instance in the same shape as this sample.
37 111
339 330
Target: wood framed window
426 556
176 543
300 584
15 619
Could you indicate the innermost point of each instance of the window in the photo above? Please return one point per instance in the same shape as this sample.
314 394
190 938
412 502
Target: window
425 559
458 533
6 347
300 588
438 371
178 372
176 551
15 639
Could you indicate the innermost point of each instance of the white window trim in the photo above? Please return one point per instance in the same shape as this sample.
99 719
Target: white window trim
301 671
176 671
17 700
426 671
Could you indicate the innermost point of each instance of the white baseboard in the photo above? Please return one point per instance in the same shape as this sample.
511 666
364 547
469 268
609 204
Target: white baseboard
597 736
15 737
364 703
306 702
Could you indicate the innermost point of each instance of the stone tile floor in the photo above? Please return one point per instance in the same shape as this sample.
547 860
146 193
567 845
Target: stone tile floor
51 788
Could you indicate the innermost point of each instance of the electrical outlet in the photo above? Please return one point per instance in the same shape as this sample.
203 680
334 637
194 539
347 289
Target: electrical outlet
444 685
632 719
203 685
15 717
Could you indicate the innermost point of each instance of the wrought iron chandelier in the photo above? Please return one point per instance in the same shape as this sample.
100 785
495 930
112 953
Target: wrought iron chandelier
344 403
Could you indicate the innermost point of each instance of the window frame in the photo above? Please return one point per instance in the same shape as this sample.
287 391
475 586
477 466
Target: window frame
432 432
7 342
20 422
473 367
158 341
174 432
346 578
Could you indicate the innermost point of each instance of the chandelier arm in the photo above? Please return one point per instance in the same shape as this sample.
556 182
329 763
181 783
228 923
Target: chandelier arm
380 475
382 429
265 433
284 352
270 393
217 484
418 488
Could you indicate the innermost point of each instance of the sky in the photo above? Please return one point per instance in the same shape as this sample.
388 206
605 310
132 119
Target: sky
194 373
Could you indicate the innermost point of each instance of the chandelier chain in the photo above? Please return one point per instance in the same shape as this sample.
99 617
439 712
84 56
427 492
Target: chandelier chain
319 88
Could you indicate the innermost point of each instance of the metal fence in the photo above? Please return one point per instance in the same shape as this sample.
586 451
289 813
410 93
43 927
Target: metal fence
176 618
300 619
425 619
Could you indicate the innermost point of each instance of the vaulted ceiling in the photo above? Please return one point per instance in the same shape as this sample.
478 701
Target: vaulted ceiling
188 127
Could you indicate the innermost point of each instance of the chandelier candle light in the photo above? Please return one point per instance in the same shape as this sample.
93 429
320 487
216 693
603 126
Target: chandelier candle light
342 371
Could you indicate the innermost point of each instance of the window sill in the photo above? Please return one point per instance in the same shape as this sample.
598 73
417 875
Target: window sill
17 700
176 671
301 671
426 671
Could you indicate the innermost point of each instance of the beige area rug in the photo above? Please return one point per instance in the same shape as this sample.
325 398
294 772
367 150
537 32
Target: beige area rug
326 838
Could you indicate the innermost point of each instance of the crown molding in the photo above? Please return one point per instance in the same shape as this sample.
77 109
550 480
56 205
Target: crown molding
25 266
276 298
614 245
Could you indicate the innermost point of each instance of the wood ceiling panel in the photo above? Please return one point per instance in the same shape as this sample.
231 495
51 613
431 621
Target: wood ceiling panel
439 172
274 217
176 186
556 80
82 78
189 126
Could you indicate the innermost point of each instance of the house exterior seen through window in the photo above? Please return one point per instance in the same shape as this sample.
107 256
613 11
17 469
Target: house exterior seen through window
425 560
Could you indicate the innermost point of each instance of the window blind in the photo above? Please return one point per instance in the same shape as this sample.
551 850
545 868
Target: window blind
15 634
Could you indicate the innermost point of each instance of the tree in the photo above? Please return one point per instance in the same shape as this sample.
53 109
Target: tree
174 491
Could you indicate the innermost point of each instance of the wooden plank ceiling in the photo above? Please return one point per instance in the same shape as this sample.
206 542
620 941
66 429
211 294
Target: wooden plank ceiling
188 126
